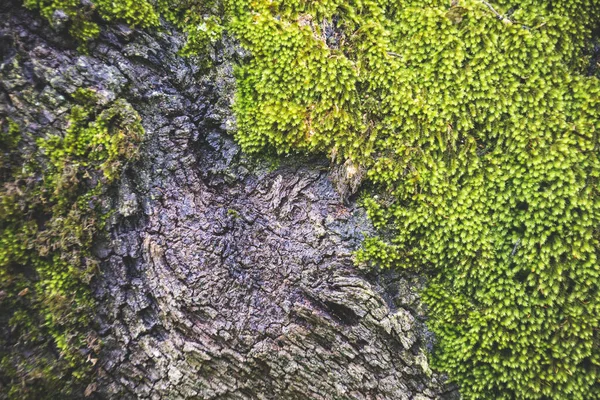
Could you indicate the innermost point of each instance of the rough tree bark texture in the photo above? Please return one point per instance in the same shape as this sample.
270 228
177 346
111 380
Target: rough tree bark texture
224 277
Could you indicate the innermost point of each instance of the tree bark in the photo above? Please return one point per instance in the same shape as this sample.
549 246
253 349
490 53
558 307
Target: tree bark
223 276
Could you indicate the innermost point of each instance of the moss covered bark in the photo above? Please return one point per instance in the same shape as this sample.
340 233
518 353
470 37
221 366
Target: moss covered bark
476 125
50 214
478 128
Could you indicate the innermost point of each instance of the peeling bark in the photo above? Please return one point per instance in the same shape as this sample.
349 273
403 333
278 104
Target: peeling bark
224 277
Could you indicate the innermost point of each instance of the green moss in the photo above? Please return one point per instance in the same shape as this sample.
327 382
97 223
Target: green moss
81 17
233 213
200 20
49 217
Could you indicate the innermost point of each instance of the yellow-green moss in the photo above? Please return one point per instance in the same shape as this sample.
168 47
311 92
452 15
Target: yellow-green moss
80 17
200 20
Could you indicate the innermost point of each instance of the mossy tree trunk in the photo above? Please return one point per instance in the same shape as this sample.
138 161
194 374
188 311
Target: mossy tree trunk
220 276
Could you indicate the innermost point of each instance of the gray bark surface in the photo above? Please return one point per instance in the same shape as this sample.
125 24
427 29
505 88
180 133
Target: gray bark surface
224 277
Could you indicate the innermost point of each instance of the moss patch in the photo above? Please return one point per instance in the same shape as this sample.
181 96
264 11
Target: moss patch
50 213
80 15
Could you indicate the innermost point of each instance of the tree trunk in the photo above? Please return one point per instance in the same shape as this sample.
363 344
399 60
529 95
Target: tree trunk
223 276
